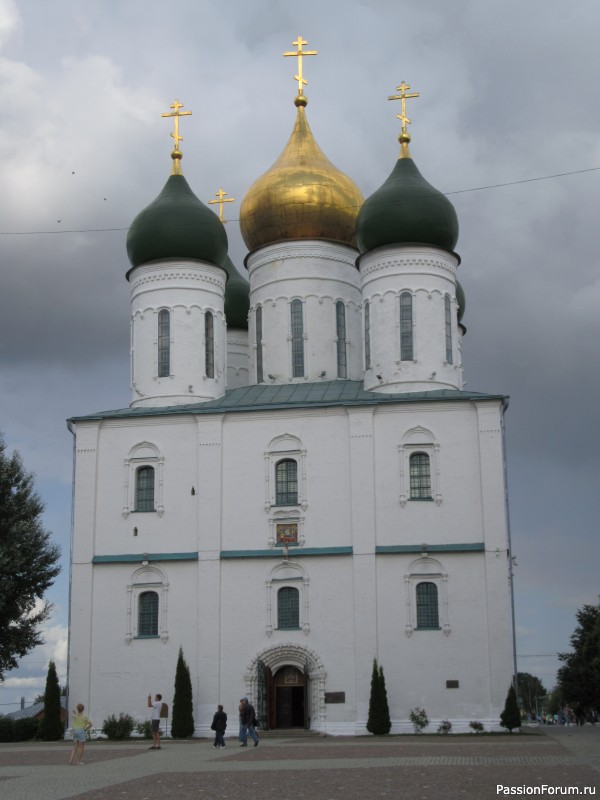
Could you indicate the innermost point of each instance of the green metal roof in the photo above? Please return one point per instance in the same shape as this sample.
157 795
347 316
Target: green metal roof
325 394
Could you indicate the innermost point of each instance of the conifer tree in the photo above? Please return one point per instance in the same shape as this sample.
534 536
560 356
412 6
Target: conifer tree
378 722
511 716
51 725
182 720
28 562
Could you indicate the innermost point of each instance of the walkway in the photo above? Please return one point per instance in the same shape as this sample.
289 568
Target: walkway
315 768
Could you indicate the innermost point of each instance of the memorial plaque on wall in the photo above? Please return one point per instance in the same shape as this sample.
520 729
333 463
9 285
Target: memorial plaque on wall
335 697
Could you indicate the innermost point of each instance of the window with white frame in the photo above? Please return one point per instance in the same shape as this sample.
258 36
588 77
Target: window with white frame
287 598
419 467
143 480
285 473
426 586
147 604
259 346
367 336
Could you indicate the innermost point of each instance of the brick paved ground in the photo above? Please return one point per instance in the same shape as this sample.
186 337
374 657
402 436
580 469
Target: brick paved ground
315 768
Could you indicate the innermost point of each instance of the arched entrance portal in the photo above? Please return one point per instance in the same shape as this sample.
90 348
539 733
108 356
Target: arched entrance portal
288 686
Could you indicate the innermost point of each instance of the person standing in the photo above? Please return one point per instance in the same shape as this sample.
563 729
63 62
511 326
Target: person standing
156 707
81 725
219 725
248 723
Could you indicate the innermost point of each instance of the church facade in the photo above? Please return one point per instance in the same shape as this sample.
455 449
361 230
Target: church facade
301 483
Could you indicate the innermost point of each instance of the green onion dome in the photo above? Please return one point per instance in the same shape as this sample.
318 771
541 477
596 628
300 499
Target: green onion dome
406 209
237 297
177 225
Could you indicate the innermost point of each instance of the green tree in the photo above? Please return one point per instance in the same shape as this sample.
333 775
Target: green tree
28 562
378 722
182 720
530 690
579 678
51 725
511 716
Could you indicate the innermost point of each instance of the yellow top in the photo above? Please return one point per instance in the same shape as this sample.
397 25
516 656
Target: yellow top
302 196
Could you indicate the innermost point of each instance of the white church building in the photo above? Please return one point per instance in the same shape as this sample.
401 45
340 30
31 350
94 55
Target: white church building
301 482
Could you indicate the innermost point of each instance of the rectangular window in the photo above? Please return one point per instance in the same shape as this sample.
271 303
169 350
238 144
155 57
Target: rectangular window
259 351
367 336
448 319
148 614
340 325
288 608
427 606
286 483
164 343
209 345
144 489
297 339
406 327
420 477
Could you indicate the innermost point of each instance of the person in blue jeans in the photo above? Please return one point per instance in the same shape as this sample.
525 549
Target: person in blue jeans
247 723
219 724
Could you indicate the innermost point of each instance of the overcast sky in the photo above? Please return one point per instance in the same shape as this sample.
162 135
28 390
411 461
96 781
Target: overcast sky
508 94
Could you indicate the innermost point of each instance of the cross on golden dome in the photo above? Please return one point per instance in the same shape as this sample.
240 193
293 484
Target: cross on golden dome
403 96
300 53
221 195
176 154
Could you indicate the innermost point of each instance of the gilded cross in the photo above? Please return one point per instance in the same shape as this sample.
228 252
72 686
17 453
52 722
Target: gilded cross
221 195
403 97
300 53
176 114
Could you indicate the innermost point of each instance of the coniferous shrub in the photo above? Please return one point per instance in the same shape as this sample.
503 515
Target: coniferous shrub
378 722
51 725
182 720
511 716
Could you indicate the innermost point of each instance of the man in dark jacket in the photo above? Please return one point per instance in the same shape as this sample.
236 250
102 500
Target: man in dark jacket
219 724
248 723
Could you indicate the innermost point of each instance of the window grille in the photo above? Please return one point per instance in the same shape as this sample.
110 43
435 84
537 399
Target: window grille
144 489
164 343
340 325
427 606
420 477
406 327
288 608
148 614
286 483
209 344
297 339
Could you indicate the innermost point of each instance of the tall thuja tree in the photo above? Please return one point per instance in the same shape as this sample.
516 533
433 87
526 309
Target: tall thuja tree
511 716
28 562
182 719
51 725
379 722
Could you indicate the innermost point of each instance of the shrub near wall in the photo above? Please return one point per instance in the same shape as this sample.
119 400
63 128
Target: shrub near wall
7 728
26 729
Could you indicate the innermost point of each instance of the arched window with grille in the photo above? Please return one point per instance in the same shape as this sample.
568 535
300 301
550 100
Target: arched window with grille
340 329
164 343
209 344
420 477
406 327
427 605
286 482
288 608
297 324
144 489
148 614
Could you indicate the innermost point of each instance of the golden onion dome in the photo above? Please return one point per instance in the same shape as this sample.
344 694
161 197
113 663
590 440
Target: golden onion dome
302 196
